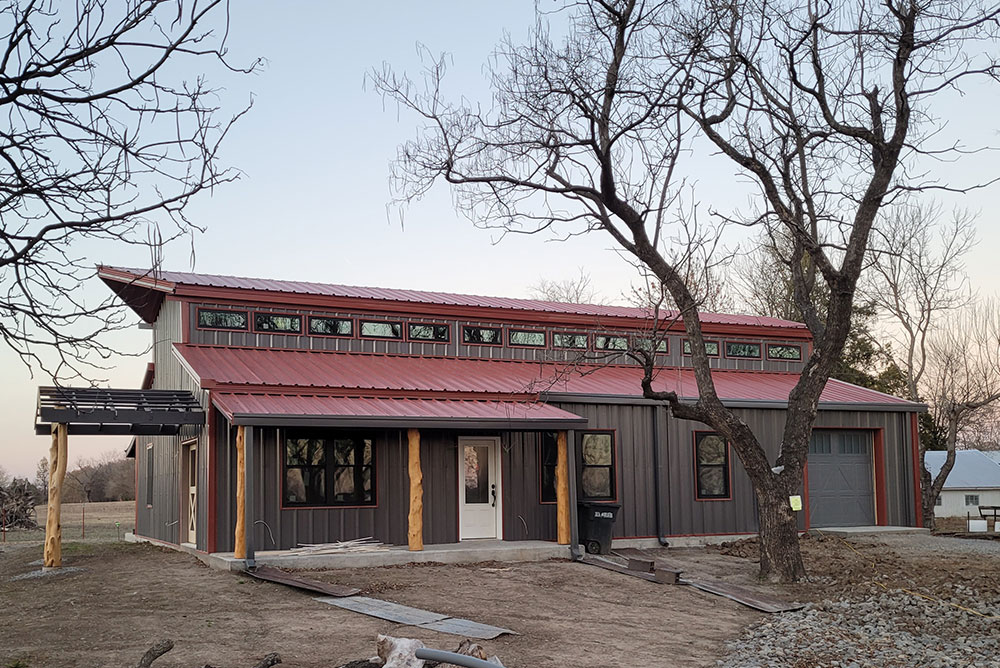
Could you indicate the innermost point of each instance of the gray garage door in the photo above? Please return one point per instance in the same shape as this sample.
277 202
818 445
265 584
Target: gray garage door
840 479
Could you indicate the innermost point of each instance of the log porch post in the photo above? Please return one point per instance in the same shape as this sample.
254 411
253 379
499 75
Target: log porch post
249 473
240 544
53 518
415 521
563 532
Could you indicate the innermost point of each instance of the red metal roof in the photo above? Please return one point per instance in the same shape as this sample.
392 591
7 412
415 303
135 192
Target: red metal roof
168 281
237 404
300 371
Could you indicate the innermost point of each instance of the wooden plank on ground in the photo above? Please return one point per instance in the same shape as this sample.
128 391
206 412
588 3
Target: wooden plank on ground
747 597
281 577
609 565
632 553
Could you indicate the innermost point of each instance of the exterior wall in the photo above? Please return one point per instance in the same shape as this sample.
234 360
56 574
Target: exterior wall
454 348
953 502
525 517
386 521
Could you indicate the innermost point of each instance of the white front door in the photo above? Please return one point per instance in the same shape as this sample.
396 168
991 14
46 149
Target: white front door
479 494
192 493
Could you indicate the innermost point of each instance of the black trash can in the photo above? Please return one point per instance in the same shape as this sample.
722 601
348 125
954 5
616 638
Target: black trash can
596 523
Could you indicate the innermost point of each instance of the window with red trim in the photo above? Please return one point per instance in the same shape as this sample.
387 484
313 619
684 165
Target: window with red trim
711 461
597 466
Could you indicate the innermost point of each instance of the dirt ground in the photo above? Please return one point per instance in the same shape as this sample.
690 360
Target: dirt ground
128 596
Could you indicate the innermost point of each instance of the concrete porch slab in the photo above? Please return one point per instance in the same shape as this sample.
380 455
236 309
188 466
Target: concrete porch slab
872 530
471 551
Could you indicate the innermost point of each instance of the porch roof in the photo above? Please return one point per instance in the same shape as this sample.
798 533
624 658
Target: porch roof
287 371
330 411
96 410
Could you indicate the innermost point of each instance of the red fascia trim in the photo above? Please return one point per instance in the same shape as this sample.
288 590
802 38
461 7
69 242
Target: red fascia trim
541 318
915 443
694 459
881 505
352 392
132 279
213 491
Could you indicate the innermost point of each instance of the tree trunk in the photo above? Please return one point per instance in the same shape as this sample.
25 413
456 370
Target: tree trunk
780 557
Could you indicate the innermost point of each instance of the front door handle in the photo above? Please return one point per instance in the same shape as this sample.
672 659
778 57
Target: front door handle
493 492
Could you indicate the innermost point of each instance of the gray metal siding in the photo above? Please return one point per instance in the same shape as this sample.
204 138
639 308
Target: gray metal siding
525 517
386 522
454 347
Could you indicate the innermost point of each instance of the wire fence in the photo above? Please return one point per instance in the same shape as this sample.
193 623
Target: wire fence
108 521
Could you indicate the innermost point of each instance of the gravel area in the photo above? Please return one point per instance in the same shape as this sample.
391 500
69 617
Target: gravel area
890 601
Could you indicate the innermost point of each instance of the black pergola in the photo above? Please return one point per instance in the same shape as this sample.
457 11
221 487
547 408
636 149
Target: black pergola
100 411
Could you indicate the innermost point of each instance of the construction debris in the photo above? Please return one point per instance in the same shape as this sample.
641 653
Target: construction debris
425 619
357 545
281 577
17 506
401 653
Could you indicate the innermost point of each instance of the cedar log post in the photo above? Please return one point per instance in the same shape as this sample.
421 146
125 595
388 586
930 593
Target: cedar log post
53 518
562 491
415 521
240 546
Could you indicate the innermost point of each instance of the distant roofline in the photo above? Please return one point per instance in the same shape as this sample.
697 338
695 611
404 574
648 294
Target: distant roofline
126 281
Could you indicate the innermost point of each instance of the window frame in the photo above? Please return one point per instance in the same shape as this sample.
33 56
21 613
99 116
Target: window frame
760 350
585 335
328 317
253 323
613 466
374 337
542 443
611 350
718 349
521 330
198 325
970 496
497 328
727 466
410 337
636 341
768 346
329 465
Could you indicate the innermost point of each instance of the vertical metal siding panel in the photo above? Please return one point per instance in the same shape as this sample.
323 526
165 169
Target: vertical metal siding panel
525 517
439 462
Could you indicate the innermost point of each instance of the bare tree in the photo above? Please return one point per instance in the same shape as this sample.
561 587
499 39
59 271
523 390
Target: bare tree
42 479
111 130
579 290
962 385
817 104
4 477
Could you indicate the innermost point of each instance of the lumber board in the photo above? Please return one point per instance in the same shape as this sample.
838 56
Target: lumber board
747 597
281 577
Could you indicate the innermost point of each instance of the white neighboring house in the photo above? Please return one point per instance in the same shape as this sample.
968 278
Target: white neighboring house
974 481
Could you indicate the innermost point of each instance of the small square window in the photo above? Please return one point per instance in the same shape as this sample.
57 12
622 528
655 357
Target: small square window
781 351
972 499
331 326
521 337
482 336
279 323
213 319
379 329
428 332
711 348
739 349
563 340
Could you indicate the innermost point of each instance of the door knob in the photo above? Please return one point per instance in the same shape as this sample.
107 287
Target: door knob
493 492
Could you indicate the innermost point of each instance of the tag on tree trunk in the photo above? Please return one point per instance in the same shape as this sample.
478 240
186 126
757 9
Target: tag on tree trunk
795 502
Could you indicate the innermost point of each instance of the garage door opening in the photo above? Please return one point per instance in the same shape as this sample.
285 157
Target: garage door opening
841 479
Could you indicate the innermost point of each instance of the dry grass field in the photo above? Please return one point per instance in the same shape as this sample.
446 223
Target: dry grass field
83 521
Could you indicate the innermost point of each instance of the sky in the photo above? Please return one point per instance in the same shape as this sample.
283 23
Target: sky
315 152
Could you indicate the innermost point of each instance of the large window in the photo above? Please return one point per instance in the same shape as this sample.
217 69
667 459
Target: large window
548 458
378 329
711 461
215 319
418 331
329 469
597 471
331 326
275 322
483 336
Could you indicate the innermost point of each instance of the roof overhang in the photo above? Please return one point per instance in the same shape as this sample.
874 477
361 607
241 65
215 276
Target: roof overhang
337 411
144 294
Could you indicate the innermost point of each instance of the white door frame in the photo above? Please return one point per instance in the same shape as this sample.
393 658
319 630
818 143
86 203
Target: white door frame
190 519
495 465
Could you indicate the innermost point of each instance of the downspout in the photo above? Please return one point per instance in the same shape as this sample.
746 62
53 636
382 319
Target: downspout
656 477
